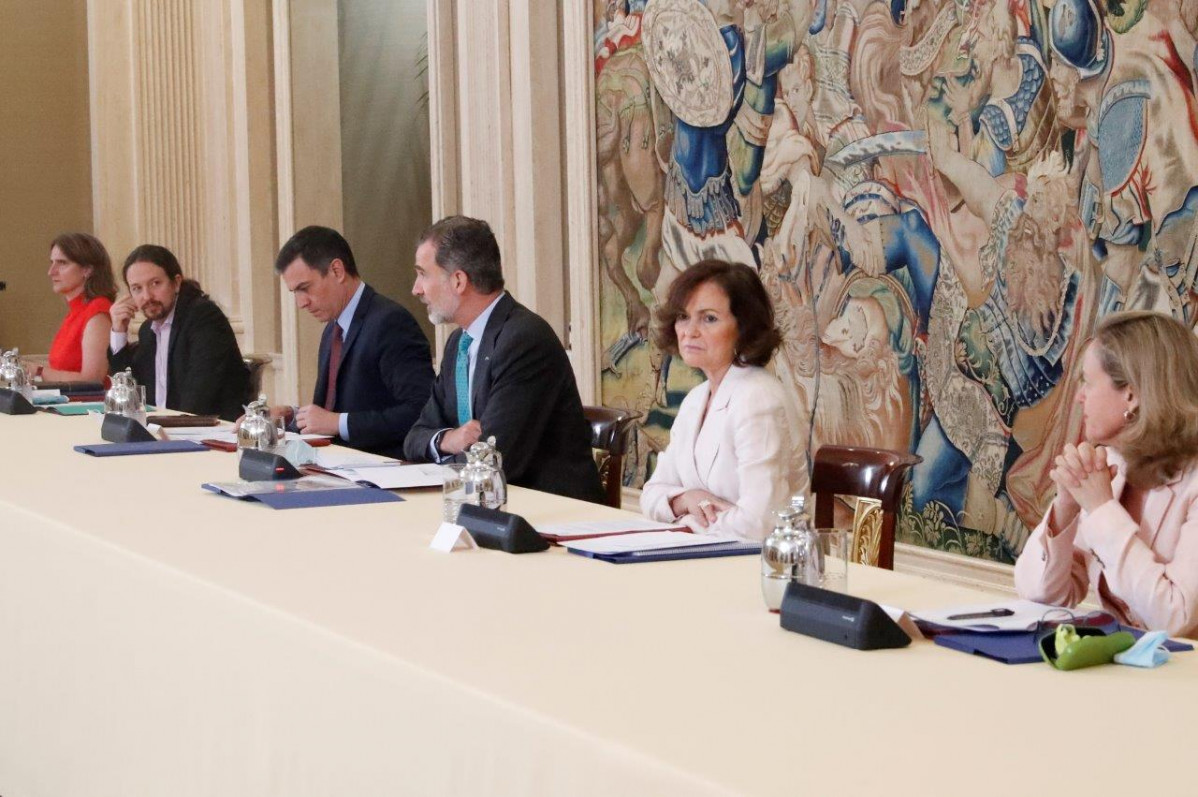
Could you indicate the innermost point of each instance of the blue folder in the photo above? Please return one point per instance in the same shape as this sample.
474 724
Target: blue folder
672 554
126 449
304 499
1019 647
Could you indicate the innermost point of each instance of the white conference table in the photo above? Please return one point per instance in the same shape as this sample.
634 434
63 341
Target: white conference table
156 639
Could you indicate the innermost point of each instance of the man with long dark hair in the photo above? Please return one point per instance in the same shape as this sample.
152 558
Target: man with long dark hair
186 354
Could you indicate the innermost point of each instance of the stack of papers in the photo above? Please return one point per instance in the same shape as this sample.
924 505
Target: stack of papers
309 491
588 529
658 546
226 434
248 489
43 398
85 408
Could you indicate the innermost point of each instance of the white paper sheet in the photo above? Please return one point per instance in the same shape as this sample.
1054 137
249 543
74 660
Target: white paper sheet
395 477
1023 615
340 457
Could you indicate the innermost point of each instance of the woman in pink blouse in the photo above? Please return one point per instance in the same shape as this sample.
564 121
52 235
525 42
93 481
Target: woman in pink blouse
1125 518
81 273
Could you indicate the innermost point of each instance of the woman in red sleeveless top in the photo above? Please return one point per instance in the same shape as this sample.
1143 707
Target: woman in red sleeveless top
80 272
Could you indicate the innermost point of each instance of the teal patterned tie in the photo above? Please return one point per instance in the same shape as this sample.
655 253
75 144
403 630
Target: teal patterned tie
461 377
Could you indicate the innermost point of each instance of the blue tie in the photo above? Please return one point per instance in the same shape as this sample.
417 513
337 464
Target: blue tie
461 377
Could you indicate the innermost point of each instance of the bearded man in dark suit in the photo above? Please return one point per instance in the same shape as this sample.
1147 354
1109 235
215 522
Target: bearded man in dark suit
504 372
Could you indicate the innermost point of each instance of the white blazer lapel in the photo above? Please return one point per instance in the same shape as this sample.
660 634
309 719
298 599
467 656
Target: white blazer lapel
684 435
715 427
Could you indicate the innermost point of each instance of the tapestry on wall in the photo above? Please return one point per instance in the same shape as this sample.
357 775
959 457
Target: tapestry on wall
941 197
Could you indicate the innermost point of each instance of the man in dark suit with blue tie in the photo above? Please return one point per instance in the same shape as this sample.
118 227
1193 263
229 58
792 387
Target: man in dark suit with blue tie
375 364
504 372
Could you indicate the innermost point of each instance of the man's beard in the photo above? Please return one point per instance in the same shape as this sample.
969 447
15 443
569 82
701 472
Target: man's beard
441 315
156 311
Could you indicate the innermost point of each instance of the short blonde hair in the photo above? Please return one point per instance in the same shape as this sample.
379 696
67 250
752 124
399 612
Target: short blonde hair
1157 357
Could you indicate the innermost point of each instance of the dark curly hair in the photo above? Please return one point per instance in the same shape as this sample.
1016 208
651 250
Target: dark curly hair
757 336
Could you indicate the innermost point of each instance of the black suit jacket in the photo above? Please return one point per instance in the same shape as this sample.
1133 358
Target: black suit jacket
205 373
385 376
524 395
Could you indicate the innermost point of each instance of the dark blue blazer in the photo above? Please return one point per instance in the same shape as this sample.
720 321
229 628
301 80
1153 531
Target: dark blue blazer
525 395
385 377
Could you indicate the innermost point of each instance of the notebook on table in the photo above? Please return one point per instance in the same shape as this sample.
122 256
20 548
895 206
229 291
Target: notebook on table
303 493
661 546
150 447
590 529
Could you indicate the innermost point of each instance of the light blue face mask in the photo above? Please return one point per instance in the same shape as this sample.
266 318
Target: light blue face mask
1149 651
297 452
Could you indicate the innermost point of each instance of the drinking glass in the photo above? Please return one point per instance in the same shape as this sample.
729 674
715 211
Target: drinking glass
834 548
141 415
453 493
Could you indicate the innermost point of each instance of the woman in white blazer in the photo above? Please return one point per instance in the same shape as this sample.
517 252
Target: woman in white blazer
730 461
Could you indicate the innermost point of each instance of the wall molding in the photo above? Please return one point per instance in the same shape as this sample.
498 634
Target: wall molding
183 150
582 241
495 121
954 568
288 391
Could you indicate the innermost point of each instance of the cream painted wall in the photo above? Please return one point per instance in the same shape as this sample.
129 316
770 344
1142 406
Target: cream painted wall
387 190
45 166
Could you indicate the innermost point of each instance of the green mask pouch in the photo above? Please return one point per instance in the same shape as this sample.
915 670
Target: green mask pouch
1069 648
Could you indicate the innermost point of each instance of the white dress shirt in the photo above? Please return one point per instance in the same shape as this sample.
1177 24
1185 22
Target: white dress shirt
343 321
162 350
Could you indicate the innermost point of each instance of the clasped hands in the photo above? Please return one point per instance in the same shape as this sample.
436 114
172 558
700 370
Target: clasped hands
1083 478
703 506
309 419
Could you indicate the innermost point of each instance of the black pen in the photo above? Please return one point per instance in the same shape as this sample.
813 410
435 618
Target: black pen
981 615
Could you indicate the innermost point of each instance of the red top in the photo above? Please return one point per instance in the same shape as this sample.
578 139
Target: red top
66 352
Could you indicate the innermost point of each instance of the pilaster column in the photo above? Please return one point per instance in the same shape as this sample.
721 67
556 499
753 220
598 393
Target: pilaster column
496 132
183 146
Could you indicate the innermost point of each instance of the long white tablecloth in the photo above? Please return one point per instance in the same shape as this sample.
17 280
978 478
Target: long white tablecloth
156 639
